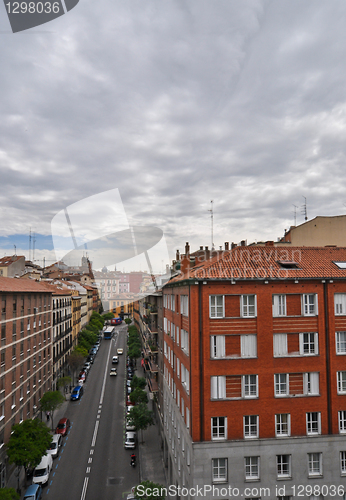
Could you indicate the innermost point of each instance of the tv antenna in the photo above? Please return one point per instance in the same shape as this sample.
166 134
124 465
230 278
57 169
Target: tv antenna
212 223
304 209
295 214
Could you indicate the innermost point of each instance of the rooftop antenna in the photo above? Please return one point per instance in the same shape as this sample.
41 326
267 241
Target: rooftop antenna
33 247
15 250
212 223
30 245
304 209
295 214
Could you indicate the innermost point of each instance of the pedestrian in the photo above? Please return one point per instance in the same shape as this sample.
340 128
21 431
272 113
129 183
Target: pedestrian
47 415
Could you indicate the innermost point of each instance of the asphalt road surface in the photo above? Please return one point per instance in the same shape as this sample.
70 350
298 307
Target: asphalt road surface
93 464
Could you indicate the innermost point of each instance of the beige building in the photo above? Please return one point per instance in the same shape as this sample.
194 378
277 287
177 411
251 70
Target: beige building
12 265
317 232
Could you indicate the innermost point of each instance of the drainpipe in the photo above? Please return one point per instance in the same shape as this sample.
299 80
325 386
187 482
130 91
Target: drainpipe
326 320
201 385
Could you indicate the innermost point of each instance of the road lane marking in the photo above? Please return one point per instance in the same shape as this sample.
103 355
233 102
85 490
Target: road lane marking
95 433
85 486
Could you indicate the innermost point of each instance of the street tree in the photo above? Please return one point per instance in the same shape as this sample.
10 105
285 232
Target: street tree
147 490
128 321
141 417
138 382
9 494
75 361
138 396
28 443
50 401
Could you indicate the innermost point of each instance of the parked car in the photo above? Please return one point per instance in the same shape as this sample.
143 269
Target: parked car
128 426
63 426
42 471
120 350
55 445
87 366
77 393
34 492
113 372
115 359
130 440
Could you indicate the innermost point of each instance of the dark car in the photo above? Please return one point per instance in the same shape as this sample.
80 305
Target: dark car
63 426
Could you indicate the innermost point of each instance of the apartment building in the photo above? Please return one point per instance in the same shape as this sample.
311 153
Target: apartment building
62 332
254 385
25 354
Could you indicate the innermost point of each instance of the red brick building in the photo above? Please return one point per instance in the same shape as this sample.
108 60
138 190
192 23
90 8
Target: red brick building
25 354
255 370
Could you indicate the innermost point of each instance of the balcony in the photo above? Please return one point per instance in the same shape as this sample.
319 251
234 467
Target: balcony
152 385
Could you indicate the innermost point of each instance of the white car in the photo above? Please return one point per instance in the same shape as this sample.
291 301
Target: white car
128 426
113 372
55 445
120 350
130 440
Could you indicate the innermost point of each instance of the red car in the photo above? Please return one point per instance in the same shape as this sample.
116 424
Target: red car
63 426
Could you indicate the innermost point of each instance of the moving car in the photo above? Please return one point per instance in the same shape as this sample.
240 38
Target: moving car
130 440
63 426
55 445
115 359
77 393
42 471
120 350
113 371
34 492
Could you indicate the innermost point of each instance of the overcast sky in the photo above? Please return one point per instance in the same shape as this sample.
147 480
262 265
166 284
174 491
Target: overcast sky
175 103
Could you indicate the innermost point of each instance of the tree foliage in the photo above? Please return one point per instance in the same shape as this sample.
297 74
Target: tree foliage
28 443
138 396
128 321
140 416
64 381
108 316
9 494
138 382
154 491
50 401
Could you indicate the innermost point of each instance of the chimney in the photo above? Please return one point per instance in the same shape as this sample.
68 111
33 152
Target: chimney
207 253
201 247
242 243
177 255
226 245
233 245
187 248
269 243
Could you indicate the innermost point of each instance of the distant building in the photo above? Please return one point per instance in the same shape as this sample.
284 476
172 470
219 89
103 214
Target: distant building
317 232
12 266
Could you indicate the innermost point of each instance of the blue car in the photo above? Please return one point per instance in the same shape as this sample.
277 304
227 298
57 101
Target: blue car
34 492
77 393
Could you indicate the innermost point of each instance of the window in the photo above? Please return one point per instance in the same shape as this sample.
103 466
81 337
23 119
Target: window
250 386
281 384
217 346
219 470
308 343
280 344
282 424
184 341
341 376
218 387
309 304
313 423
184 305
340 304
279 305
340 342
216 306
248 346
283 465
251 426
294 384
248 306
343 463
218 428
315 464
251 467
342 422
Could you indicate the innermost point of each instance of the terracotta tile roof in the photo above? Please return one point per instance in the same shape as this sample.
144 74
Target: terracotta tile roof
18 285
271 263
9 259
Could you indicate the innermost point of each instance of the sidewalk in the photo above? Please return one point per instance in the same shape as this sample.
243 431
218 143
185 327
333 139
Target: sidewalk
150 452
